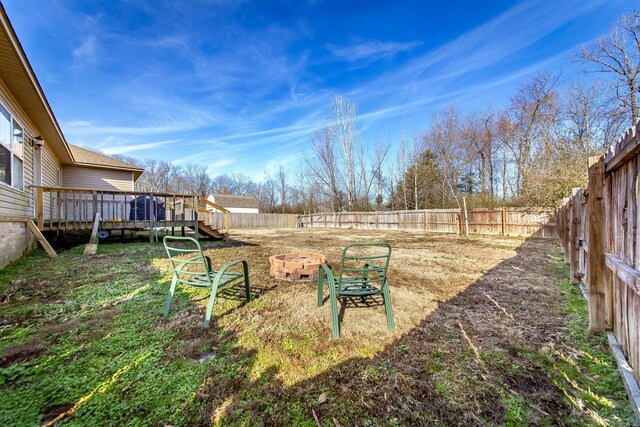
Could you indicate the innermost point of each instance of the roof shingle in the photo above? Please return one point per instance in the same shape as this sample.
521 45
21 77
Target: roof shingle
82 156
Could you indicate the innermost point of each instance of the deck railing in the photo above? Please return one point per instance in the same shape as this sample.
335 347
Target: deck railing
59 208
210 220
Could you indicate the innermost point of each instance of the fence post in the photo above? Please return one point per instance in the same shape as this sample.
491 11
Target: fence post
466 218
566 221
608 248
573 236
597 280
504 221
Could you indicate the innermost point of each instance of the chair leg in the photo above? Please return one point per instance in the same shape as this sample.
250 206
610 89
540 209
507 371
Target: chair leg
320 285
172 290
335 324
212 300
387 307
247 289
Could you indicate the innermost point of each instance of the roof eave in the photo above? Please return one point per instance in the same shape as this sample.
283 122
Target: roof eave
137 172
47 125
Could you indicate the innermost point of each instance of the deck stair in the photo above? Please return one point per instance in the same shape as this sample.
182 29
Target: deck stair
207 230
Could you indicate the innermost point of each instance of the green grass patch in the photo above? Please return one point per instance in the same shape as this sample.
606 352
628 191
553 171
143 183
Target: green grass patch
584 368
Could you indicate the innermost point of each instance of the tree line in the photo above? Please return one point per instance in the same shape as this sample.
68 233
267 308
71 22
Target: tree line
530 152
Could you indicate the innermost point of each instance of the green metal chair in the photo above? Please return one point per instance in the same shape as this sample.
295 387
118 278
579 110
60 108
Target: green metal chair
357 282
197 271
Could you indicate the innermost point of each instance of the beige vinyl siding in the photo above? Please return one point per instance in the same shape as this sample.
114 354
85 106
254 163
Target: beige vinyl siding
50 170
96 179
15 203
79 207
18 203
50 167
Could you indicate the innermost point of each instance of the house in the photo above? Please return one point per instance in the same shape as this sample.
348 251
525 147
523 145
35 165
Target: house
234 204
36 159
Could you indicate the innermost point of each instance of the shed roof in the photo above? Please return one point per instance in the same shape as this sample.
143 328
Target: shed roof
231 201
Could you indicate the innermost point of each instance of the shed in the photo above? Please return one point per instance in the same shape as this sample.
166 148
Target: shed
238 204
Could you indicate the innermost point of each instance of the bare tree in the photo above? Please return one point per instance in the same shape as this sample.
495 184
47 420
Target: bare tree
342 123
323 166
444 140
197 179
533 112
619 54
377 172
267 194
592 121
281 177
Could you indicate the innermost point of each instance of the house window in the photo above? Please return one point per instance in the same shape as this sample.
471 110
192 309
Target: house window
11 150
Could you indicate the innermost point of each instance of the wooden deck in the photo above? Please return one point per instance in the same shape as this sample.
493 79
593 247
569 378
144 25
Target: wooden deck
63 209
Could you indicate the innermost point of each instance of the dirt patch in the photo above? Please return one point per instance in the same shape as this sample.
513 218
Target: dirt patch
92 328
22 353
54 412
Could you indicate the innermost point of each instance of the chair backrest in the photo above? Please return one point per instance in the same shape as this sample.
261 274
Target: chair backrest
186 269
357 253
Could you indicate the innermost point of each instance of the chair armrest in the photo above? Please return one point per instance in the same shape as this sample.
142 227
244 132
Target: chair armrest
372 266
219 274
331 283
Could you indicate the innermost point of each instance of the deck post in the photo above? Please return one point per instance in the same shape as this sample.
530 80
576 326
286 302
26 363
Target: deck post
40 207
95 203
195 216
59 205
151 216
151 227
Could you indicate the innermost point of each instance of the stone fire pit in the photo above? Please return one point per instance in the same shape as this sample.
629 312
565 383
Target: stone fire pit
297 266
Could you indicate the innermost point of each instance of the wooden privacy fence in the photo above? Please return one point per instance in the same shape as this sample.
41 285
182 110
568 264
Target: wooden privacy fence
503 221
598 233
253 220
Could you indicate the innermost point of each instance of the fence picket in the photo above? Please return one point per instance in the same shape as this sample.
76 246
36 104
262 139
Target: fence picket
609 258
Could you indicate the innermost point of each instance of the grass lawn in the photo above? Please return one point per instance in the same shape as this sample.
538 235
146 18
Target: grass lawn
488 332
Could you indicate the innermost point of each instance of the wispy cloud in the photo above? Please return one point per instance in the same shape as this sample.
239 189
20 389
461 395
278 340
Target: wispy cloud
370 50
222 163
247 95
129 148
86 53
83 129
440 70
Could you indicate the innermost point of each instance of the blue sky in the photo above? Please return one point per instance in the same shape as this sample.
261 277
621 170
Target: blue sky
240 86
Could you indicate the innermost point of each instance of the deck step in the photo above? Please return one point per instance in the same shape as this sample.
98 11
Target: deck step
207 230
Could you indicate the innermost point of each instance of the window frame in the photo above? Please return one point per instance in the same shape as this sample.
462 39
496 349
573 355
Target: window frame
13 118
